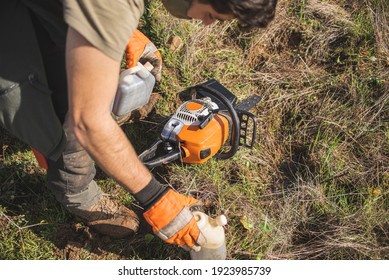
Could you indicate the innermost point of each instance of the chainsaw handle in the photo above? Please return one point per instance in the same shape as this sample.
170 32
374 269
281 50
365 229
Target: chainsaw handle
234 119
174 155
151 160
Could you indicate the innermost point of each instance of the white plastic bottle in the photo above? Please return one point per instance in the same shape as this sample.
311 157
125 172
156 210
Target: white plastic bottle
213 232
135 87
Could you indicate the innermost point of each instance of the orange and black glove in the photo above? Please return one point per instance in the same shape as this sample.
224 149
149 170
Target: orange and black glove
141 49
169 215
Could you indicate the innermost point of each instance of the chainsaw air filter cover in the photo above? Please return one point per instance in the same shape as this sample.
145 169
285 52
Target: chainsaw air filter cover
195 111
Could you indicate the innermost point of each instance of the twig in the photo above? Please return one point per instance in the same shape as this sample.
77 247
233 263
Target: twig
19 227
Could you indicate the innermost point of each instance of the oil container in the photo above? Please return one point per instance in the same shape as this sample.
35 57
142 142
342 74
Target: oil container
213 232
134 90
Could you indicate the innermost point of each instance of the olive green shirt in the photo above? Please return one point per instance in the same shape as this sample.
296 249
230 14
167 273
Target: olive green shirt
106 24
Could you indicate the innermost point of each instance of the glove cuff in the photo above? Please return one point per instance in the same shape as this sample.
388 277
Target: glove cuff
150 194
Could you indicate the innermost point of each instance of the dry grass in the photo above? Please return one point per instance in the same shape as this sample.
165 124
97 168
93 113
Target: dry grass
315 186
378 11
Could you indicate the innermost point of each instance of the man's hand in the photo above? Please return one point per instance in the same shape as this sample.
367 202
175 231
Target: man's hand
141 49
172 220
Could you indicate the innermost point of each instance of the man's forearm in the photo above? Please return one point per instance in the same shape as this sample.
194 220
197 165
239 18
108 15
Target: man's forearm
92 80
110 148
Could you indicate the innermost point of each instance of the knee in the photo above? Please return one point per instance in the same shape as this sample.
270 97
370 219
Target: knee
72 173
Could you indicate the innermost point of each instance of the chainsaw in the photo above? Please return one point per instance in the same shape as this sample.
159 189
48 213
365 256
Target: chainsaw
209 125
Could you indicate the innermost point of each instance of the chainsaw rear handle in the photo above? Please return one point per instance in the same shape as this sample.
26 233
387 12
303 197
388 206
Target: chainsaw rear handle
234 119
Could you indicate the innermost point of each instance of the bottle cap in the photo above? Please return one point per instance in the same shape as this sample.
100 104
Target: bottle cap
221 220
148 66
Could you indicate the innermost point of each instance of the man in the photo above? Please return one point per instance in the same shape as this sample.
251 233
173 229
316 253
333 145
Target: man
59 68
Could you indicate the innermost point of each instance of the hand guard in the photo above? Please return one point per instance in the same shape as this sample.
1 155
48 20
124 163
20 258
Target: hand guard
172 220
141 49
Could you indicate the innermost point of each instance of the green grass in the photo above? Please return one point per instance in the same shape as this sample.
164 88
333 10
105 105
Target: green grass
315 185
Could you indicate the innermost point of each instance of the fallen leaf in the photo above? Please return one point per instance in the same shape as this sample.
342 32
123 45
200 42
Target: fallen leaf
176 43
247 222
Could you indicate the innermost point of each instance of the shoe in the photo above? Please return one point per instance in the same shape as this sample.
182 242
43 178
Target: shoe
109 218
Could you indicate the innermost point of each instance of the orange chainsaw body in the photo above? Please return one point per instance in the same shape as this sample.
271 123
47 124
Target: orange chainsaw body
200 144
